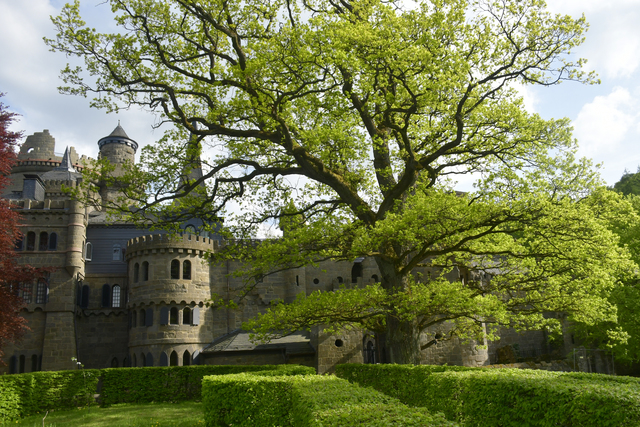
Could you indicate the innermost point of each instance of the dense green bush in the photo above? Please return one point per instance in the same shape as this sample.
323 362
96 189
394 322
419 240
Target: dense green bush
251 400
175 383
399 381
27 394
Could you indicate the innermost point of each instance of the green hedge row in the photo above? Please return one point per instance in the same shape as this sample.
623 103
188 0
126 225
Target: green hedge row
26 394
507 397
175 383
399 381
254 400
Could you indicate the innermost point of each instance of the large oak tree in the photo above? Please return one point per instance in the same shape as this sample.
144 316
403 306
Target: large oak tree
349 121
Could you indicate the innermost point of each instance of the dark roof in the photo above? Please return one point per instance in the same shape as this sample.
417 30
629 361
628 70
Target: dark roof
64 172
238 340
118 131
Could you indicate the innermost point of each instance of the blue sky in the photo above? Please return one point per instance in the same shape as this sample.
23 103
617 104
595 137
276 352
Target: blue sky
606 117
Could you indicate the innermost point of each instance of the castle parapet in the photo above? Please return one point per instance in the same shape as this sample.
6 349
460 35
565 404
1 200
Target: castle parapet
167 243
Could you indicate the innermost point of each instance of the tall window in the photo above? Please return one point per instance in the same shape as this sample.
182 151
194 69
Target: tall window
134 360
31 241
88 251
44 241
117 253
41 292
175 269
136 272
173 316
356 272
53 241
114 362
106 295
34 363
18 244
84 303
115 296
186 270
186 316
145 271
26 290
186 358
143 315
173 360
143 360
190 229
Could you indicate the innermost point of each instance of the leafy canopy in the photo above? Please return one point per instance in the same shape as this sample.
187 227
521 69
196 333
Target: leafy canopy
348 122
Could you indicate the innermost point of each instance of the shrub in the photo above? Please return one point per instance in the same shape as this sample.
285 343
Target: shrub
253 400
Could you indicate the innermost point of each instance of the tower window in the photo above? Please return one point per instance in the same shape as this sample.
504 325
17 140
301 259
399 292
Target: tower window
173 359
173 316
145 271
88 251
18 244
115 296
186 358
41 292
53 241
44 241
84 303
356 272
186 270
175 269
136 272
186 316
106 296
31 241
26 292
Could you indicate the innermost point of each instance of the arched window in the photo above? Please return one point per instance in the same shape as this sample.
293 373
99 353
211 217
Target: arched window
34 363
186 316
88 251
44 241
125 362
143 315
375 278
134 360
175 269
164 360
106 296
149 359
84 303
26 292
186 270
53 241
143 360
31 241
186 358
173 316
190 229
13 365
173 360
145 271
136 272
18 244
117 253
356 272
115 296
340 280
114 362
41 292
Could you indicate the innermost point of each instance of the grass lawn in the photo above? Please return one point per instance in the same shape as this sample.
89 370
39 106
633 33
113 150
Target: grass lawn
181 414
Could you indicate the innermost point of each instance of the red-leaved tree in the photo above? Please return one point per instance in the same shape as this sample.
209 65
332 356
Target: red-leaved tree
12 325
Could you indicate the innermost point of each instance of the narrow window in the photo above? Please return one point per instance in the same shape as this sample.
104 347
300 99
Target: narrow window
186 270
175 269
114 362
117 253
136 272
186 358
195 316
149 359
34 363
85 297
148 321
44 241
79 294
22 363
115 296
134 360
190 229
143 317
186 316
134 319
125 362
173 360
164 315
31 241
18 244
41 292
143 360
106 295
173 316
145 271
164 360
356 272
26 290
88 251
13 365
53 241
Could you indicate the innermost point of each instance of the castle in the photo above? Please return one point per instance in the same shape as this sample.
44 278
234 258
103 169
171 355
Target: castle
124 296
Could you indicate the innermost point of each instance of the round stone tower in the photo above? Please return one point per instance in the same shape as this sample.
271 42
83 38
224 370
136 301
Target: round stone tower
119 150
169 284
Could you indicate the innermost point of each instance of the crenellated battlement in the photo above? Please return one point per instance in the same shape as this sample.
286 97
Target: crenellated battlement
168 243
45 205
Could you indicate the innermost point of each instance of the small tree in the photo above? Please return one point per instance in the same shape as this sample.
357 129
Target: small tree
347 121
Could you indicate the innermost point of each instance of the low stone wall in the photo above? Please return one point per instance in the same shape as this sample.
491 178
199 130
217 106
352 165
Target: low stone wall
555 365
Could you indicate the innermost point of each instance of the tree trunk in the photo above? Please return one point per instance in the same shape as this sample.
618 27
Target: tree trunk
401 338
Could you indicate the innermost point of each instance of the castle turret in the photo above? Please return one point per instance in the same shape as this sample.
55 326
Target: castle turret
119 150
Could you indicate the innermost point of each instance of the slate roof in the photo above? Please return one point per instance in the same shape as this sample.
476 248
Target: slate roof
238 340
64 172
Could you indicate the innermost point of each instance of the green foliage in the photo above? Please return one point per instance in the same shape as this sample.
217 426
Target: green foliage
27 394
175 383
346 123
250 400
508 397
629 184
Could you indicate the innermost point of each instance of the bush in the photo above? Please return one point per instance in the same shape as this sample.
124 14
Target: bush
253 400
175 383
26 394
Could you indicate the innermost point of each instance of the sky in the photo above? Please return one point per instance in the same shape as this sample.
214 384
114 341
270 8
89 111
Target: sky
606 117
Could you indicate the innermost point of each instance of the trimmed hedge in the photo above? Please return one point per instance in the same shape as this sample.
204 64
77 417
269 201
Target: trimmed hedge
507 397
175 383
27 394
400 381
254 400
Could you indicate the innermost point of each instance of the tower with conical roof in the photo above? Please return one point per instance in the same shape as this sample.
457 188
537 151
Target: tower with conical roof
119 150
